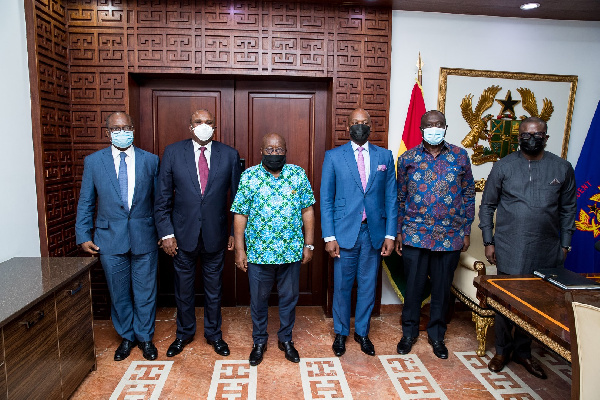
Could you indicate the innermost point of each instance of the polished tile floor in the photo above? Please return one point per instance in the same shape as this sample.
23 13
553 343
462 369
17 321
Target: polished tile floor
199 373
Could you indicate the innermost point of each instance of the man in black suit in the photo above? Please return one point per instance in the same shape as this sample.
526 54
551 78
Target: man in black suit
191 218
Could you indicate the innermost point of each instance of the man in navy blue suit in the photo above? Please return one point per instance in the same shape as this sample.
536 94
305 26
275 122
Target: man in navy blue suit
358 223
120 180
191 217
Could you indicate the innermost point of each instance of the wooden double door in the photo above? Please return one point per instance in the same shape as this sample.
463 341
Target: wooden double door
244 111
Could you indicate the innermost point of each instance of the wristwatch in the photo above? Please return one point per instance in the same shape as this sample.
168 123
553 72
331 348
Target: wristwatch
567 248
309 246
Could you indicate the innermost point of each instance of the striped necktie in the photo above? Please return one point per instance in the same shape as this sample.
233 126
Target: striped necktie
123 184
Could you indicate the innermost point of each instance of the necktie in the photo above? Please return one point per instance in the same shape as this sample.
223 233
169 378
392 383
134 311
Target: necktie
123 180
363 176
203 169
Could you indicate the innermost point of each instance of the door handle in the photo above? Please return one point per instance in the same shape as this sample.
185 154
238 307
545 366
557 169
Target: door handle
29 324
76 290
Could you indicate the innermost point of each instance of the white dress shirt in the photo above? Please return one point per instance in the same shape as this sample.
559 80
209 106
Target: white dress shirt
130 161
197 153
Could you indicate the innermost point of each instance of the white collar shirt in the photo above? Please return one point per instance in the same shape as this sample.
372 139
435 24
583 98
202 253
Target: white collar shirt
130 161
197 153
366 157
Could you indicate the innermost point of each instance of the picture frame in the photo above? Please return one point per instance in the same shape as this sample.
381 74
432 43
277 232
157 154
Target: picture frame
456 83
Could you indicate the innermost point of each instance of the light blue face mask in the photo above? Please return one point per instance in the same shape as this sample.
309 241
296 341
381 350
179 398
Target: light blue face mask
434 136
122 139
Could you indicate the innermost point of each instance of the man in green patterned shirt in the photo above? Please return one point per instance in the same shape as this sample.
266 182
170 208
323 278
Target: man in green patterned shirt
274 200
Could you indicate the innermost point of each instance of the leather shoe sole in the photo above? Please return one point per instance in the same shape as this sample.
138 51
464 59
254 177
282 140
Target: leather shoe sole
366 346
177 346
405 344
531 366
291 354
497 363
220 346
256 355
149 351
339 345
124 349
439 348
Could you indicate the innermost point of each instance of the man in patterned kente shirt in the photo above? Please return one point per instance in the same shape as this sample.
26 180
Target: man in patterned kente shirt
436 206
273 202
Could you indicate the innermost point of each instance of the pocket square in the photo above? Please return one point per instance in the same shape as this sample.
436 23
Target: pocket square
555 182
382 167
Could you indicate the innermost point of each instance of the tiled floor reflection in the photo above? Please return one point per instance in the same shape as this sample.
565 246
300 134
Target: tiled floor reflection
199 373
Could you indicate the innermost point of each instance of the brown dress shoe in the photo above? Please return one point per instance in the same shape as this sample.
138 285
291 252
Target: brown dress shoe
531 366
497 363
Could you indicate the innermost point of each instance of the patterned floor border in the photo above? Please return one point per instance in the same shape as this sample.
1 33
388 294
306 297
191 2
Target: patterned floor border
552 362
411 378
143 380
324 378
233 379
501 385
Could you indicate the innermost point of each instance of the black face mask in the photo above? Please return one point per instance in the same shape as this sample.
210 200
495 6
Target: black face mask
533 146
360 132
273 162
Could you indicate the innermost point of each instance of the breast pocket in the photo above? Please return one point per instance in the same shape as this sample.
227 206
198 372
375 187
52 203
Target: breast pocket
548 196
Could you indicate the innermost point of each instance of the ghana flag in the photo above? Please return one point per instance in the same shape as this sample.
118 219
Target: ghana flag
393 265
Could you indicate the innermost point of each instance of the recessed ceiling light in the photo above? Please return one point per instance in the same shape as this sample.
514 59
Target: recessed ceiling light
529 6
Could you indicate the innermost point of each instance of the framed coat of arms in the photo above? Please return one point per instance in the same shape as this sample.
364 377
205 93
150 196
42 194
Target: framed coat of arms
485 108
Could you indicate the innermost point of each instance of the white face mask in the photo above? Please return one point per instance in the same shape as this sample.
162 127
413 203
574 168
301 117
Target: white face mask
434 136
203 132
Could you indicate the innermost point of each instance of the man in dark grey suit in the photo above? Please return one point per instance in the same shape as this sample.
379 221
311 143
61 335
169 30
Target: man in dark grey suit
532 192
191 217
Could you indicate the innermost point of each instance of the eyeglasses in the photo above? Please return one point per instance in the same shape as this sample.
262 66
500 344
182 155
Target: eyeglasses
118 128
277 150
527 135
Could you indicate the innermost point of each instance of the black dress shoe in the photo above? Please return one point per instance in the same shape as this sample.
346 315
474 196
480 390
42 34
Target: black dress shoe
365 344
148 350
531 366
291 354
439 348
339 345
220 346
405 344
177 346
256 355
124 350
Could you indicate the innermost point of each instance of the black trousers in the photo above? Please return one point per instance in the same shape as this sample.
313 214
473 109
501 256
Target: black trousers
439 266
518 342
184 264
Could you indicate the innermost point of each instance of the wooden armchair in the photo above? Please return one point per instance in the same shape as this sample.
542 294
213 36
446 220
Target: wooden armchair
472 264
584 318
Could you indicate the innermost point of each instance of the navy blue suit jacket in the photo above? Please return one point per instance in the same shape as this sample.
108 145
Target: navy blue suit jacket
181 208
343 198
117 230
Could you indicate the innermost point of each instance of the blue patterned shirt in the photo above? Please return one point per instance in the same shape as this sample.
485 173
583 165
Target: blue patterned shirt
274 209
436 198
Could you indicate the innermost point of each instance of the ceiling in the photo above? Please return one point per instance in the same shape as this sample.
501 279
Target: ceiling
580 10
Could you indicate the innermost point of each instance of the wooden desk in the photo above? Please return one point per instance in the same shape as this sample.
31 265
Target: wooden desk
46 331
535 305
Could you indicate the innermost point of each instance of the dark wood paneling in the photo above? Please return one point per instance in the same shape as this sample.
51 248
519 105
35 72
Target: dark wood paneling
75 333
3 393
31 352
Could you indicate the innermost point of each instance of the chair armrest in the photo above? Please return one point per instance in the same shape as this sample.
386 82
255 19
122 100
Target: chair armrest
472 263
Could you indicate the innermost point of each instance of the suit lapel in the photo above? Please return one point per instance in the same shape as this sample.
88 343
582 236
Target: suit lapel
109 166
139 166
215 163
352 165
374 157
190 161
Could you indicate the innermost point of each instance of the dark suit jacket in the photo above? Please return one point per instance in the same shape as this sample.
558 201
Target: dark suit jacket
181 208
117 230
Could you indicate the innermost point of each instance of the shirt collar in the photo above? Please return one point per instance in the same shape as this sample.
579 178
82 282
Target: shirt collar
262 168
445 146
197 146
364 146
117 153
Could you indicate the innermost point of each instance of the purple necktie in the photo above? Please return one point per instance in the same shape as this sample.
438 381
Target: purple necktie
203 169
363 175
